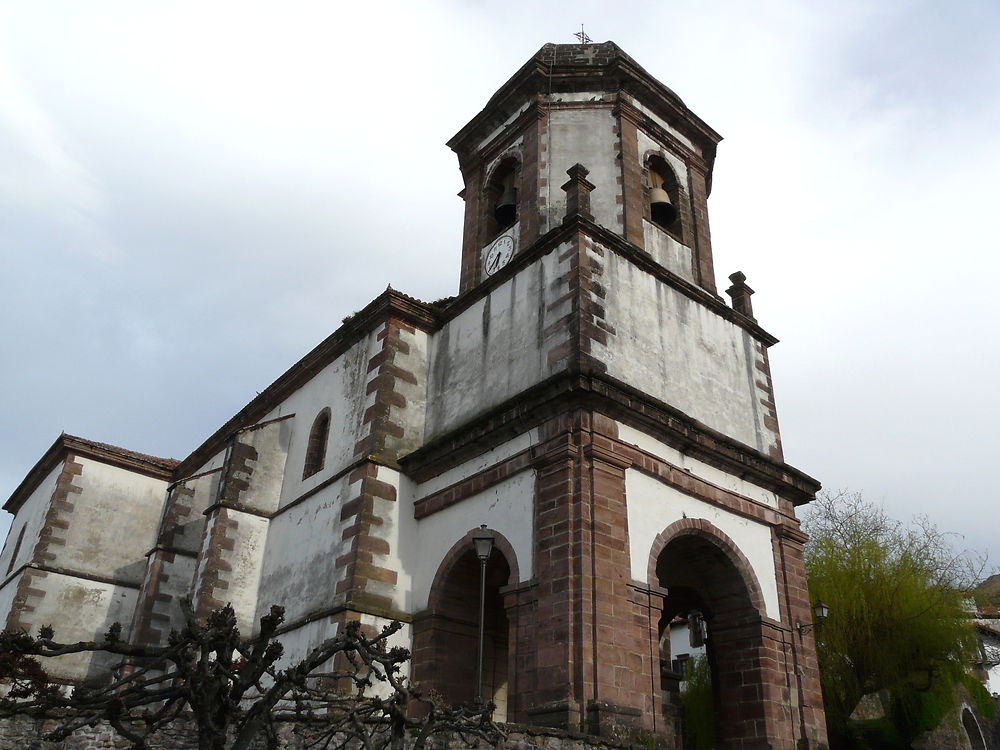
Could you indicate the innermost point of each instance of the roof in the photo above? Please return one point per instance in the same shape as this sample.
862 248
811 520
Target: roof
140 463
559 68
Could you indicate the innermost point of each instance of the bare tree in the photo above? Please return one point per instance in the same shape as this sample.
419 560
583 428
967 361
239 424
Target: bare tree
234 691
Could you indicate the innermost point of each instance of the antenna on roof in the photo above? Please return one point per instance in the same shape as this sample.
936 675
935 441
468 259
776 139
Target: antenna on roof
582 36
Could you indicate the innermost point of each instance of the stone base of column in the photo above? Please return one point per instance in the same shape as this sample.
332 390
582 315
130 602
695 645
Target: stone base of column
557 715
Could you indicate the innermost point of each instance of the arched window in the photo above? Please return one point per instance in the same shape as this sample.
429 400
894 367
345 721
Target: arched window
500 198
664 196
316 450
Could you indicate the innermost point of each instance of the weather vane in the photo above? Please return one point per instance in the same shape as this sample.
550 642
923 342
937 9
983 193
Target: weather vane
582 36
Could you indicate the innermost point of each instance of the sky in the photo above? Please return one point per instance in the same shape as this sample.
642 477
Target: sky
194 194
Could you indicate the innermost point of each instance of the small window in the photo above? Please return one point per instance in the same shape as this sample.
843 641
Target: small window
316 450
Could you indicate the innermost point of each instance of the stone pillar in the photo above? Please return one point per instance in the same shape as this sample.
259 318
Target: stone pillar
740 293
578 192
592 667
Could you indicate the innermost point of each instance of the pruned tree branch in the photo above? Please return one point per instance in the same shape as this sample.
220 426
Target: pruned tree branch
235 690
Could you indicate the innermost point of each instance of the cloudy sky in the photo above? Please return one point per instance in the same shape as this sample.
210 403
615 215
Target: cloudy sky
193 194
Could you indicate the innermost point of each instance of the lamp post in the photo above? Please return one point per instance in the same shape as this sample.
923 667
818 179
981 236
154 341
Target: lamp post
483 541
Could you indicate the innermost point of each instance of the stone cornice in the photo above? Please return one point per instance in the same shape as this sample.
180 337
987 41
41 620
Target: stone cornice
600 393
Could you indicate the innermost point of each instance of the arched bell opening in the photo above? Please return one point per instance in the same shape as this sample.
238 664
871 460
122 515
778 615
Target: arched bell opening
709 604
446 638
501 199
664 195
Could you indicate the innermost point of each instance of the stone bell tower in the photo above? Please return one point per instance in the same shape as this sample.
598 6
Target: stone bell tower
591 104
660 488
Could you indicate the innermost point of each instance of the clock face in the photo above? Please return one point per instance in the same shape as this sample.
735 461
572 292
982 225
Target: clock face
499 254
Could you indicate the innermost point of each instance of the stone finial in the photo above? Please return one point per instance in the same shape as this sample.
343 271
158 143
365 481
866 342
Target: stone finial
740 293
578 192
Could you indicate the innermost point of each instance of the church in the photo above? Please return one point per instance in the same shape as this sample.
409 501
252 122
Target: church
588 397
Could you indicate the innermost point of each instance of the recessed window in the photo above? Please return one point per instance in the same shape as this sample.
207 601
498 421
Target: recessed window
501 199
316 450
664 196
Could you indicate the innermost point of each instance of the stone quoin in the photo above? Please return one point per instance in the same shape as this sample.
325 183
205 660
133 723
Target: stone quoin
588 396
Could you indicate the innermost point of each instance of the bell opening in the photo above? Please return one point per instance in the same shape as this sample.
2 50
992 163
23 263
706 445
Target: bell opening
505 214
663 213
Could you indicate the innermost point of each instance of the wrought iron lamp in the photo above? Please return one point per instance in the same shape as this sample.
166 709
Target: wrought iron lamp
820 612
483 541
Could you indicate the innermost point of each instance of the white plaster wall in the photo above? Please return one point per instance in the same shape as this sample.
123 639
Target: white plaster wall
679 351
700 469
667 251
495 349
475 465
341 386
114 522
586 136
507 507
267 472
299 564
246 561
653 506
30 516
94 607
301 641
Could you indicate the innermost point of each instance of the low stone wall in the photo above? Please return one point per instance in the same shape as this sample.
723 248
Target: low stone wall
26 734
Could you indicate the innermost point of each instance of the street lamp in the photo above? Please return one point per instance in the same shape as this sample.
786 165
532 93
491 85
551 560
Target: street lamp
820 612
483 542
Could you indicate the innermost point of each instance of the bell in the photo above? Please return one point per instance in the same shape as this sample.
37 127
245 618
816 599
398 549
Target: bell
506 208
662 211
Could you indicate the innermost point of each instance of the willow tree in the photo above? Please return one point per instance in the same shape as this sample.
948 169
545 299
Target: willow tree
899 624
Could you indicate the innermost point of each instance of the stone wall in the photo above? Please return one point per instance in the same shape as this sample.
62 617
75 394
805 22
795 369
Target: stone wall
25 734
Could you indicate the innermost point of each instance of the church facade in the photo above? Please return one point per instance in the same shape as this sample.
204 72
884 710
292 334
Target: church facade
588 396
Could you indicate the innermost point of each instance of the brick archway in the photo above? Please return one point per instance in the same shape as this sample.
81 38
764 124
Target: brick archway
445 635
462 547
705 529
704 571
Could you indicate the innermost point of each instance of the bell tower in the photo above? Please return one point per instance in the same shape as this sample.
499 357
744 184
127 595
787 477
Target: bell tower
648 156
615 423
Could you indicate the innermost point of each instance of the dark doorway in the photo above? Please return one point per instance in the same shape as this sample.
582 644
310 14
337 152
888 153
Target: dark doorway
708 592
446 639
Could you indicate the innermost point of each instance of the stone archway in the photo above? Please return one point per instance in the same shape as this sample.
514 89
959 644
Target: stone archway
445 636
704 572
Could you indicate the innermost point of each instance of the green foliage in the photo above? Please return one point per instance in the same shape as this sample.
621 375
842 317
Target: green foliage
697 707
898 621
981 698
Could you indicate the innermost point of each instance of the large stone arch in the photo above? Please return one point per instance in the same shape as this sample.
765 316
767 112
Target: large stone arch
702 569
445 635
702 528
